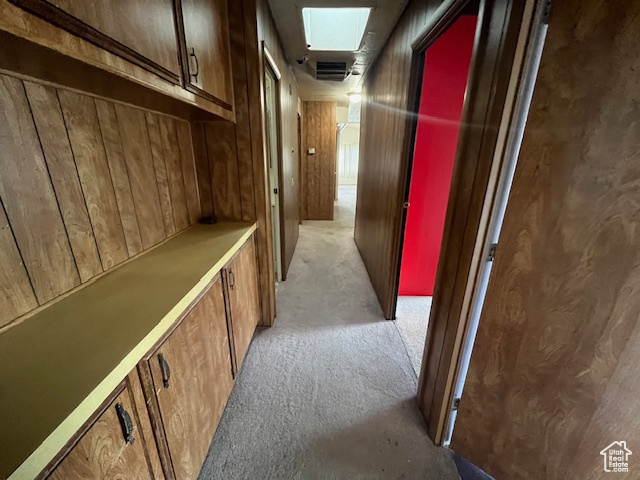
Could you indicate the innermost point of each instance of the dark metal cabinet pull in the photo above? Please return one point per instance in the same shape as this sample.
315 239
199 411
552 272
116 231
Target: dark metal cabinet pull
192 53
165 369
126 423
232 280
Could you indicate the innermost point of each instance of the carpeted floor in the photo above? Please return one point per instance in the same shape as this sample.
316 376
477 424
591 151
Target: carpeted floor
412 319
328 392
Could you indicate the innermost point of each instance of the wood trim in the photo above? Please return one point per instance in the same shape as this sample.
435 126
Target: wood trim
73 441
438 23
499 26
58 17
207 96
271 61
144 371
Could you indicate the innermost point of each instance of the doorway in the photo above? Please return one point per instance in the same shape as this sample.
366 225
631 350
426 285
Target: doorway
499 84
444 81
272 102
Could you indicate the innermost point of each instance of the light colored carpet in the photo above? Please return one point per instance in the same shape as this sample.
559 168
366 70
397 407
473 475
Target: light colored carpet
412 319
327 393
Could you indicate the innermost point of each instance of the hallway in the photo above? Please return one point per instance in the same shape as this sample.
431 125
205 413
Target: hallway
328 392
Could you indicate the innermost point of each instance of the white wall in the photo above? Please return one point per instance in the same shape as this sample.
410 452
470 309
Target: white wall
348 145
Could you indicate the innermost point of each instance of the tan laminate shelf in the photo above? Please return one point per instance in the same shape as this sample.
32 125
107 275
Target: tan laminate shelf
57 367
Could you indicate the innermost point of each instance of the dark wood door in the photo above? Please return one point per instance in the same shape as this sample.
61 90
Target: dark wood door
207 59
192 379
242 288
104 451
142 32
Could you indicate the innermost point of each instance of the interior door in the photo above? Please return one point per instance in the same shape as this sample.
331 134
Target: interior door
244 300
192 378
206 33
273 162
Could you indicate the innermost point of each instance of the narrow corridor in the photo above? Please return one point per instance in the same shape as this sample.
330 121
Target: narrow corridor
328 392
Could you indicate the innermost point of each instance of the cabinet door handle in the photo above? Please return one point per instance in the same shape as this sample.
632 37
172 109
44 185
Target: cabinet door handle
165 369
192 53
232 280
126 423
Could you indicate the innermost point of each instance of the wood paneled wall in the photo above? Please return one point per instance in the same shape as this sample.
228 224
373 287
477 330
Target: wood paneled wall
85 184
320 168
553 376
289 172
382 138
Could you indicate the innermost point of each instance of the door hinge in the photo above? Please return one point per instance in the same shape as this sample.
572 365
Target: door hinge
492 252
456 404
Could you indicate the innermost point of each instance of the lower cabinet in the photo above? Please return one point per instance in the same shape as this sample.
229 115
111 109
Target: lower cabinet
241 275
163 417
192 380
117 445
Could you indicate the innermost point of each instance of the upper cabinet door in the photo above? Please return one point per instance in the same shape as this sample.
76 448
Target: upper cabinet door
207 61
143 33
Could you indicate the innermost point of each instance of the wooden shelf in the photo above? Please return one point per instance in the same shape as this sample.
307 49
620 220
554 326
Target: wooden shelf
59 366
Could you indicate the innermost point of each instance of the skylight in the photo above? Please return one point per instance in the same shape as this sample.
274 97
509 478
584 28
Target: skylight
334 28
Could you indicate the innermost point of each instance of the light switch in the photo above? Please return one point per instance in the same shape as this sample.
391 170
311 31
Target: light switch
311 151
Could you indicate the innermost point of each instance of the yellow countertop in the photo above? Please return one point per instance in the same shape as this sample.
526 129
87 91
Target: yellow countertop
59 366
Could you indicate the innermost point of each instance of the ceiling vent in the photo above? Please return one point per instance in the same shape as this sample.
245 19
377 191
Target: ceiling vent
336 71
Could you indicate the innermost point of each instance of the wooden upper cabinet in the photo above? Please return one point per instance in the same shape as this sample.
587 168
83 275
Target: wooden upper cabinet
206 51
244 299
143 33
191 374
113 447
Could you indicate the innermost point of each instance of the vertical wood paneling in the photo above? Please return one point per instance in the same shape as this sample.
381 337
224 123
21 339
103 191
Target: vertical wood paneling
83 186
223 162
86 143
64 176
119 175
241 109
144 187
173 164
320 178
203 173
188 170
29 198
553 374
16 295
161 173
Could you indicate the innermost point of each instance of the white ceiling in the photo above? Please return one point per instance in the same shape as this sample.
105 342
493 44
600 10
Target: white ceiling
288 18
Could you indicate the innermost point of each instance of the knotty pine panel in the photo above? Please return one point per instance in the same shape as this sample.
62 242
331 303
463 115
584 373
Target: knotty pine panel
142 176
173 163
320 168
64 176
88 149
17 294
188 170
161 172
223 163
29 199
84 185
119 175
553 374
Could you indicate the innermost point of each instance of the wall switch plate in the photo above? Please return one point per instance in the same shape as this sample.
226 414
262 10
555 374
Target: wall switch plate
311 151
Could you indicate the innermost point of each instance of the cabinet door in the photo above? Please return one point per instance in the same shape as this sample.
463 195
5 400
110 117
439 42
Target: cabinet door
244 300
192 379
208 61
143 33
106 451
